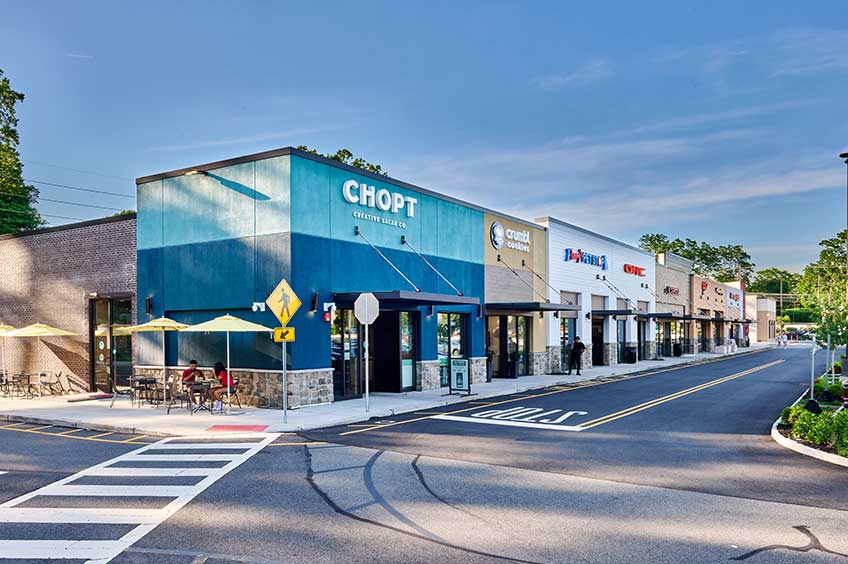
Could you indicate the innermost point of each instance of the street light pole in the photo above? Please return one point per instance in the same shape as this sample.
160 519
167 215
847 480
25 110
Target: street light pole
844 156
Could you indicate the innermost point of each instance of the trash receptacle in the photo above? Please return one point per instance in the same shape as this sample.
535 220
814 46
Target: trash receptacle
631 355
677 349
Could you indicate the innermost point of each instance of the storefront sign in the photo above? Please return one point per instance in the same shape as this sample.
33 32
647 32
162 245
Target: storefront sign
634 270
514 239
586 258
671 290
369 196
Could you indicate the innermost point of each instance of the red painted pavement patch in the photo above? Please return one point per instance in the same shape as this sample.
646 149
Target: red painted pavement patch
237 428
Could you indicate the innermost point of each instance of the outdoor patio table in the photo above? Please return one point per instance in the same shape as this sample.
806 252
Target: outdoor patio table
145 387
201 388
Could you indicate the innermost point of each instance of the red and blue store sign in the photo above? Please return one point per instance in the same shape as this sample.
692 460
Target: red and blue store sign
586 258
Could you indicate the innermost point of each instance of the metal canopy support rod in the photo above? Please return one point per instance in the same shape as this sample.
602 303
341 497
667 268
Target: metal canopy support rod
358 233
539 276
403 241
547 301
612 287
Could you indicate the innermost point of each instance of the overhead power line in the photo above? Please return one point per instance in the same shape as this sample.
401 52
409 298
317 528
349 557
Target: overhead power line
76 169
78 188
44 215
40 199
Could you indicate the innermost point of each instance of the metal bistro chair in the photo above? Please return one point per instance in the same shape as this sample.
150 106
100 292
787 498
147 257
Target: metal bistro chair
233 396
177 392
4 382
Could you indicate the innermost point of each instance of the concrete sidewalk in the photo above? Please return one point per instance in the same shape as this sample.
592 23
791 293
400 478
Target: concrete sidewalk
96 415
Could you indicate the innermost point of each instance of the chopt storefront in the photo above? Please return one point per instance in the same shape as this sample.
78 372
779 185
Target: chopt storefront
217 238
516 297
609 284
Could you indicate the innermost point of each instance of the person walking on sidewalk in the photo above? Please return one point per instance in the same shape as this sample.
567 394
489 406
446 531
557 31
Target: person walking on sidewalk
575 359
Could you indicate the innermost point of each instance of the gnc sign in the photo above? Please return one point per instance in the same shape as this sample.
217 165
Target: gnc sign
634 270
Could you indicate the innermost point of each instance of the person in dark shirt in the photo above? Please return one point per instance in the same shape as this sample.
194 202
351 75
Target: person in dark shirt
575 359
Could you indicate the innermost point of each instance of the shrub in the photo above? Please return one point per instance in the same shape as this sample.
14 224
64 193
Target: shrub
785 414
837 367
803 424
819 386
840 428
821 433
790 414
836 390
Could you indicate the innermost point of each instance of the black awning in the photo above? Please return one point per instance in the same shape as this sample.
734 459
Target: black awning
613 312
399 299
659 315
521 308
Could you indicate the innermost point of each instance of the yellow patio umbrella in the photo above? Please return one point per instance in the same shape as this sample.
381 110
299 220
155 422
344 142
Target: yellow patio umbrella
228 324
38 330
3 330
162 324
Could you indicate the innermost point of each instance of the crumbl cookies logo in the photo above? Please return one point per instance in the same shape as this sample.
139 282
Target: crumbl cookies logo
497 234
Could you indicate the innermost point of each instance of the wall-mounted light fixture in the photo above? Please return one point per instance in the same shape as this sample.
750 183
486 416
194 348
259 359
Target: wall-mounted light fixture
315 297
148 305
588 316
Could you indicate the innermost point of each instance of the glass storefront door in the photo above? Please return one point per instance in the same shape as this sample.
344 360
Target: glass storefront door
345 355
451 342
621 338
567 332
407 351
598 341
509 345
110 348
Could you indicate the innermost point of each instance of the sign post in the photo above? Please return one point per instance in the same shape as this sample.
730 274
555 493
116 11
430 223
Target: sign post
813 369
366 308
283 303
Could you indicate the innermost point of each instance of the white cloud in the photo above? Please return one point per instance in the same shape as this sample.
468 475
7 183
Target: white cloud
594 70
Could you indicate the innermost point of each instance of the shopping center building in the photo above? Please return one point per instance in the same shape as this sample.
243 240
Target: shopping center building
454 281
610 283
675 314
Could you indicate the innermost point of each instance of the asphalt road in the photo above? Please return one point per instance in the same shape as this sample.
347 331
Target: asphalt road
665 467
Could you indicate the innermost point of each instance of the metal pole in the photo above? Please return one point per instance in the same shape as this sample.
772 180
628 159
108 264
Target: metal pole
229 373
164 369
832 358
285 387
813 368
365 349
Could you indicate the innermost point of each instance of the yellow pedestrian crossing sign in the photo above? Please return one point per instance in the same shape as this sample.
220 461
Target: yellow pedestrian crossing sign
284 334
283 302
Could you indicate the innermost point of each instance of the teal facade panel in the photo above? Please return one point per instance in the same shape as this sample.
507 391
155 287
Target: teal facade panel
149 215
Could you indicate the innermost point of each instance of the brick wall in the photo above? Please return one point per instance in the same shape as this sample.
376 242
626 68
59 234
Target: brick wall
48 275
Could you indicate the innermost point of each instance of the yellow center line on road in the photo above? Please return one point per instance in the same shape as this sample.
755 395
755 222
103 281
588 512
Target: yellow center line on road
658 401
304 443
580 386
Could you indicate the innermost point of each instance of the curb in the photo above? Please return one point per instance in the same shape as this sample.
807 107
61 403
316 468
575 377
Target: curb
289 428
805 450
81 425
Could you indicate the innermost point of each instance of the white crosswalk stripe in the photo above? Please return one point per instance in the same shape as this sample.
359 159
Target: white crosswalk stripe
145 519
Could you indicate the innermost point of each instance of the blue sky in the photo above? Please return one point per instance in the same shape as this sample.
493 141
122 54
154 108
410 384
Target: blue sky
718 121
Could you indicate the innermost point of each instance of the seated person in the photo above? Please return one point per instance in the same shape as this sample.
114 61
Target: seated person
217 393
192 373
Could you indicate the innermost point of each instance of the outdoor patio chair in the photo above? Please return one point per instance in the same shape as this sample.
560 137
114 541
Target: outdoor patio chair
177 393
233 397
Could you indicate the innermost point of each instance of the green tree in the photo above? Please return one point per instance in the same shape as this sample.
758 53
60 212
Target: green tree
17 200
822 286
346 157
773 281
723 263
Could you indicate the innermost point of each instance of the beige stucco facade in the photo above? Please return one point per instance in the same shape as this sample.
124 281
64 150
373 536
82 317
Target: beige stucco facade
515 259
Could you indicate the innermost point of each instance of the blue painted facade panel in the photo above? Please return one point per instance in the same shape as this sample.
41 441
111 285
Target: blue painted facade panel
227 237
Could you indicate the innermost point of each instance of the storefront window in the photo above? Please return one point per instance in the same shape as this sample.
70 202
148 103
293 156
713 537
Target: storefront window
621 329
451 342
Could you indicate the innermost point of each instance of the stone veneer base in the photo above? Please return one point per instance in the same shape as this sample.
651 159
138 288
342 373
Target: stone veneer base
264 389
